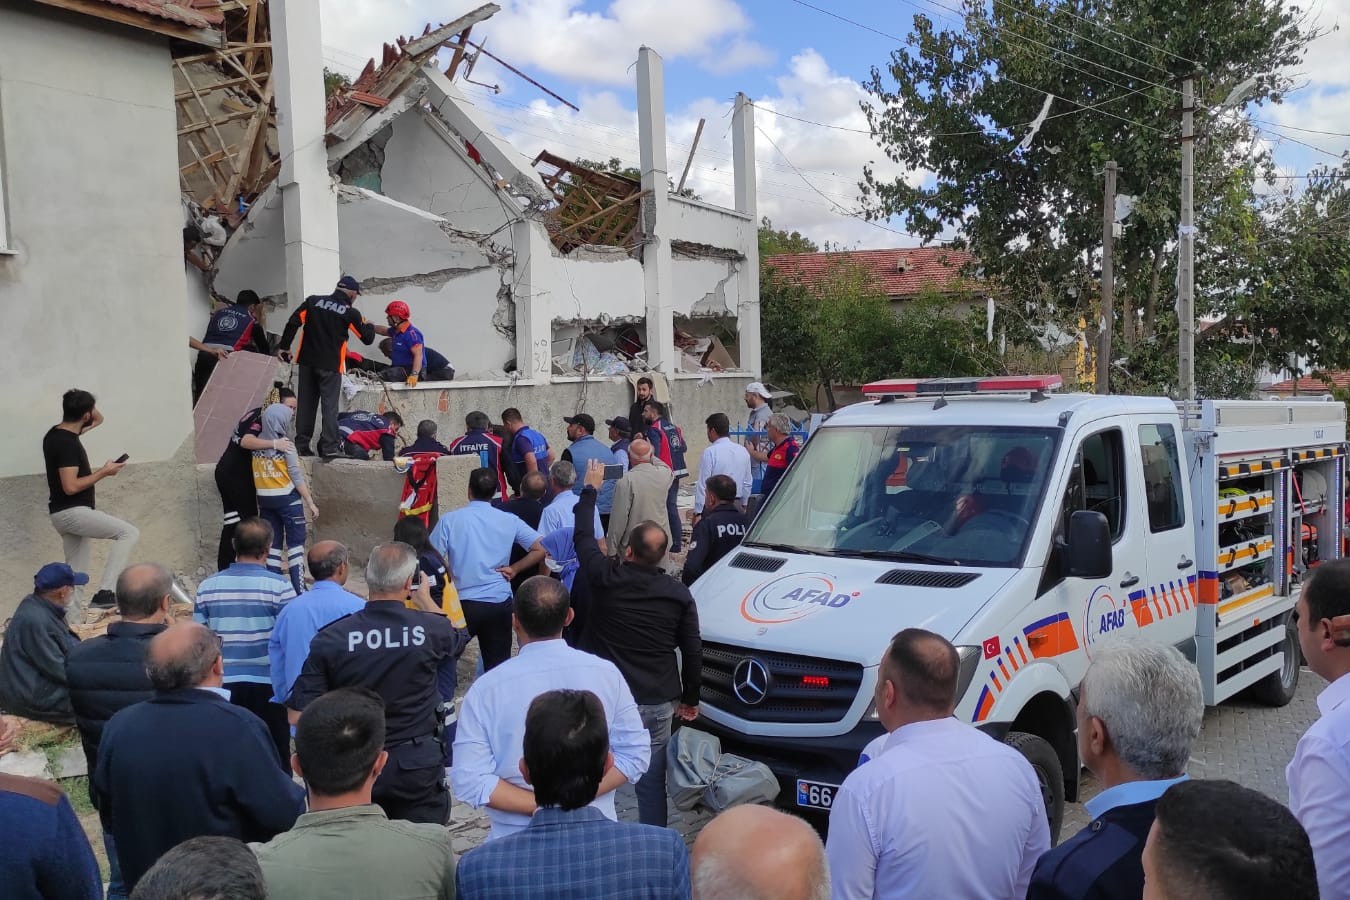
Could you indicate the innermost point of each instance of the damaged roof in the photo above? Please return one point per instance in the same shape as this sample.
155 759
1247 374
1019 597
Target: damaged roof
193 20
901 272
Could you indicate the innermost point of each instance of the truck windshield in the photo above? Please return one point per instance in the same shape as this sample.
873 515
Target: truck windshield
946 494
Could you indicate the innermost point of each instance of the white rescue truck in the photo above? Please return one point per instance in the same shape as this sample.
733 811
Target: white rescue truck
1030 529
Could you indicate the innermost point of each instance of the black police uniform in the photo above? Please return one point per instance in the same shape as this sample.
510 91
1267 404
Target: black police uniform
718 532
407 657
1104 861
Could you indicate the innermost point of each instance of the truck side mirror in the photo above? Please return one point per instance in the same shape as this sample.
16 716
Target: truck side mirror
1087 551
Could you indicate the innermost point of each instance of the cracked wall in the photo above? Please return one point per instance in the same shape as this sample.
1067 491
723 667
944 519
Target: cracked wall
423 170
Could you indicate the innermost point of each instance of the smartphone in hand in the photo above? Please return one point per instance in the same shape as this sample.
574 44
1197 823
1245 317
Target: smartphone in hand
613 473
123 458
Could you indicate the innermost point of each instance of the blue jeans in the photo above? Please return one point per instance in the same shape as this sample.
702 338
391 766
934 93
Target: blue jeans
651 787
673 510
116 889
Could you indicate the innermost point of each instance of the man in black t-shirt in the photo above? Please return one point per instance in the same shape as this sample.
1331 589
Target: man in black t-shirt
70 483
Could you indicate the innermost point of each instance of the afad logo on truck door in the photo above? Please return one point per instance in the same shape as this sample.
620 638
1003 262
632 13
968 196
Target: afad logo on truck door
793 597
1105 618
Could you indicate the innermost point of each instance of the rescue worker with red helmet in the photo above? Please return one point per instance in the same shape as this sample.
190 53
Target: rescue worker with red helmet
409 357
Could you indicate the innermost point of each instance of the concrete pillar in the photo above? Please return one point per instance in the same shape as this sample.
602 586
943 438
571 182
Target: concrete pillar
309 200
747 277
656 262
534 325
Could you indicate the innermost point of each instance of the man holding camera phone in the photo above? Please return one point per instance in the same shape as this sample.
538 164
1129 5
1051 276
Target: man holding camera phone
70 482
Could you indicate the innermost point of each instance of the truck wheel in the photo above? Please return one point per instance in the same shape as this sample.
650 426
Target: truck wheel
1049 773
1278 688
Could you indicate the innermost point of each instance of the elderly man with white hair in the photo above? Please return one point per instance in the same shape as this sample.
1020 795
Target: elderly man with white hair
1140 709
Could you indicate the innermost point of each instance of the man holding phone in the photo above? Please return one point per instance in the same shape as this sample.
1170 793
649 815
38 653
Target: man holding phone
584 448
70 483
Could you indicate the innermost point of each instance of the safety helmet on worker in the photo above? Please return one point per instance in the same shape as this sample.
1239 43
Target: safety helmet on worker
398 308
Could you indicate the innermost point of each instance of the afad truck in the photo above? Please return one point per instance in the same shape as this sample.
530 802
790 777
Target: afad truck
1031 529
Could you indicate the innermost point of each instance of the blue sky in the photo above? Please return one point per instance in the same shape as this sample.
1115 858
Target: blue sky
783 55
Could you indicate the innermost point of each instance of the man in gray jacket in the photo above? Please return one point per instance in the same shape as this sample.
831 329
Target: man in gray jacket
639 496
37 642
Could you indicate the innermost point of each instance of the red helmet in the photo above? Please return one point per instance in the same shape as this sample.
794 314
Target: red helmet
398 308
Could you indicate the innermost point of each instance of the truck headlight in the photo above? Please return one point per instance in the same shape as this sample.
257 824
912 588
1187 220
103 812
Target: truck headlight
968 662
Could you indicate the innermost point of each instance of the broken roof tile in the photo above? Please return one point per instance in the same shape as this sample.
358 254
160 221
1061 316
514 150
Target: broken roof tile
184 12
901 272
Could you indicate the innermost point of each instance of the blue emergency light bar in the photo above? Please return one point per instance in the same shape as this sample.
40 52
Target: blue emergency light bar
1002 384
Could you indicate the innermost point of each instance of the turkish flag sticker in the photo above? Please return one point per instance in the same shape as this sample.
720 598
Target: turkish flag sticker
991 647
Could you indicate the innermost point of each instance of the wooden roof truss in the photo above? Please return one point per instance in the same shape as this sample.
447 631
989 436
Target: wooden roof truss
594 208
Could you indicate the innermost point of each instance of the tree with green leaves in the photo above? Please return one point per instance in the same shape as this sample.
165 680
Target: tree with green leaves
1018 109
615 166
334 82
775 242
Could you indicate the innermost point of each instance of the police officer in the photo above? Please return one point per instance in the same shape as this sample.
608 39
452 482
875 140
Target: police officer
407 657
719 530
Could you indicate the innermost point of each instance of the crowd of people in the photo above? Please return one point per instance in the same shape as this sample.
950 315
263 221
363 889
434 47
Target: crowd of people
292 738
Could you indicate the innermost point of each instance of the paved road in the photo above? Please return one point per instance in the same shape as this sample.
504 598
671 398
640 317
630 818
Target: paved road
1241 741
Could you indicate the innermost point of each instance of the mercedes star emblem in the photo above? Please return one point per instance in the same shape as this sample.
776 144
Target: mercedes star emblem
750 681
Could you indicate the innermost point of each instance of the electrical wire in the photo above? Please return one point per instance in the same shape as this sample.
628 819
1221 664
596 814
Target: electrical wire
1045 21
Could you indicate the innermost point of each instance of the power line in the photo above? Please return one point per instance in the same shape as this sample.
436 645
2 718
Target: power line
979 71
1304 130
1082 37
1293 140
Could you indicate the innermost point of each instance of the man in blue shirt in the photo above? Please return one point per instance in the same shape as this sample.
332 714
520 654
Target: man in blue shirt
241 605
1140 709
584 448
307 615
619 430
560 513
570 848
527 449
45 852
407 350
476 540
478 439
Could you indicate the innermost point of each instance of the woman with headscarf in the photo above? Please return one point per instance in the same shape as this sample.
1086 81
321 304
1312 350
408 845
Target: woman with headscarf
234 471
282 495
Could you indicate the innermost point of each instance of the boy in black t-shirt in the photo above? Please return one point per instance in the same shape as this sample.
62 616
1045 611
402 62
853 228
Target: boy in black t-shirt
71 482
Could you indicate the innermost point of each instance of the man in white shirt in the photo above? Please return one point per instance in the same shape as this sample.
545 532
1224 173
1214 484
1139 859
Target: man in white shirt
1319 774
490 738
722 458
944 810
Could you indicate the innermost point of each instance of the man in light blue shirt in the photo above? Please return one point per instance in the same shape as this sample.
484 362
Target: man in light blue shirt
476 540
560 512
944 810
489 741
306 615
1140 709
722 457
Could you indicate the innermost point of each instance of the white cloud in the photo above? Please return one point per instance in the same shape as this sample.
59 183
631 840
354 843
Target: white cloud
739 55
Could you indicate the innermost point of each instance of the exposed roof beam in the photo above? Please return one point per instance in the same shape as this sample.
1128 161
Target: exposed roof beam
211 37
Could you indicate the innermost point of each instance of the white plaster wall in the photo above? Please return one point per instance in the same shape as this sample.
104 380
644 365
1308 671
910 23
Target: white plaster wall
424 171
706 286
703 223
95 296
587 285
255 255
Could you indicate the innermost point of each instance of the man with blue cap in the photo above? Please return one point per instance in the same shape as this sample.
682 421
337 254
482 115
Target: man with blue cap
37 642
327 320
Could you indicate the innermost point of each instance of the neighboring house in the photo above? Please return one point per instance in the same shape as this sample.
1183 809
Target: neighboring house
1318 384
903 274
91 264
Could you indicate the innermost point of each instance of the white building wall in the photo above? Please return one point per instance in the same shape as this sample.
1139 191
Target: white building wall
424 170
94 295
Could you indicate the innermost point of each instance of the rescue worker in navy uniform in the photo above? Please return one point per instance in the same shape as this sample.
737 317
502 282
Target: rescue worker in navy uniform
235 326
322 358
364 432
407 656
234 471
719 531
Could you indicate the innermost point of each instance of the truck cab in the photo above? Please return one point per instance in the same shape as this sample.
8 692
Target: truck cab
1028 528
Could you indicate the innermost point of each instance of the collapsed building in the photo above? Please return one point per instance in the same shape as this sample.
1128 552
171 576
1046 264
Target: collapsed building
548 285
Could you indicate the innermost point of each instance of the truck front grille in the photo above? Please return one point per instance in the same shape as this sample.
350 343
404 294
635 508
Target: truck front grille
800 689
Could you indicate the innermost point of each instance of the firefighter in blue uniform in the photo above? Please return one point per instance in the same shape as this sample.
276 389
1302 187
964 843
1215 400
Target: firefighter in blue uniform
408 657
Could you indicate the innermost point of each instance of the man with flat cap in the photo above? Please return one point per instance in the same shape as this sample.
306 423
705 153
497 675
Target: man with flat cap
322 357
37 642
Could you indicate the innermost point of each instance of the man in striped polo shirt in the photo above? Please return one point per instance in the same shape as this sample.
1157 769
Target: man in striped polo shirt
241 605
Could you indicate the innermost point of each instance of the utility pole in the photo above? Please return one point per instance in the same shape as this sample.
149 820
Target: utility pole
1108 310
1186 249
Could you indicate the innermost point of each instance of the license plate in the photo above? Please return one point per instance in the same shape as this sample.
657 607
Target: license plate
815 794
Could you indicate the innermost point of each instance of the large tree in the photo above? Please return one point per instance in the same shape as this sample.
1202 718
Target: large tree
959 102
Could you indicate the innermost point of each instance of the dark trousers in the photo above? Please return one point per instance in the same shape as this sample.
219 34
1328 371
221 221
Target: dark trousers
673 510
238 500
201 373
491 624
412 785
288 529
257 699
315 388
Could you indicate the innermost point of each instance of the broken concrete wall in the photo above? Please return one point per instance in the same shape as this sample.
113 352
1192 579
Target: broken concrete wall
702 223
93 290
706 286
369 492
693 399
423 169
591 283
